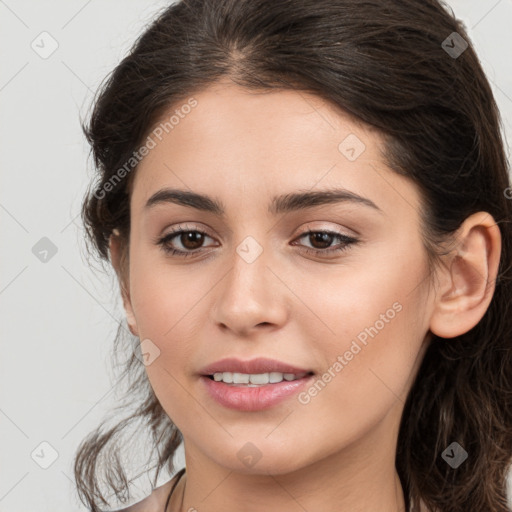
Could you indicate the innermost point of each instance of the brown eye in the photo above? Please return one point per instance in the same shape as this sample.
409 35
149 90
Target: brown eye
189 242
191 239
321 242
322 238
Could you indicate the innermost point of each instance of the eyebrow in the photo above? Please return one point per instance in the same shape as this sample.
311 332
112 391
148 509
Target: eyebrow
279 204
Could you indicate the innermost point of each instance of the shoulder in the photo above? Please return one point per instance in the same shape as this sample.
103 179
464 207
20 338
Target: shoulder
155 501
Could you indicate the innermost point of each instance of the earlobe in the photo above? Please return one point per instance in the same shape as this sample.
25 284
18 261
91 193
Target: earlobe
119 263
468 280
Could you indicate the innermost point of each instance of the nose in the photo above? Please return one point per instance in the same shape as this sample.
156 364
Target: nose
252 295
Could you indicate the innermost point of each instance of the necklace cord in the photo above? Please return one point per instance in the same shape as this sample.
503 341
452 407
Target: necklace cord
180 473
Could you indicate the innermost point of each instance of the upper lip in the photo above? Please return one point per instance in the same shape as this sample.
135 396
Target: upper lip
252 366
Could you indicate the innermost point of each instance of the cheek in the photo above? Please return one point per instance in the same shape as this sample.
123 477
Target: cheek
378 296
165 304
378 316
163 294
163 301
171 319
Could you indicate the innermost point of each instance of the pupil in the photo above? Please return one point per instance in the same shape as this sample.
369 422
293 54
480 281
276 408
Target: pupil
324 238
193 237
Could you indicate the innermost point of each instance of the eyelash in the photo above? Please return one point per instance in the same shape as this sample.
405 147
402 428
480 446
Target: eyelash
345 240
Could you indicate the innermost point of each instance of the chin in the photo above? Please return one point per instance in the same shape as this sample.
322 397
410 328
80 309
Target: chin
253 458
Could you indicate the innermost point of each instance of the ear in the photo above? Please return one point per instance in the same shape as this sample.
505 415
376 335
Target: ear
468 278
118 251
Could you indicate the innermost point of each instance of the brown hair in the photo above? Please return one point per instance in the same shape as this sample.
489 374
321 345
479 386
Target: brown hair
386 63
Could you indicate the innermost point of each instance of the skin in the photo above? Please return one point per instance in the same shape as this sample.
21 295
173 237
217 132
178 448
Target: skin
336 452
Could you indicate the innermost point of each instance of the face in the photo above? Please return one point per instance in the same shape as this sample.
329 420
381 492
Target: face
335 287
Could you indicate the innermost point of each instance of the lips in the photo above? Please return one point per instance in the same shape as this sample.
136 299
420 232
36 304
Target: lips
254 395
253 366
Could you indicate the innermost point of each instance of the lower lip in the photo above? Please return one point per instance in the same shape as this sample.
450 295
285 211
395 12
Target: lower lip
244 398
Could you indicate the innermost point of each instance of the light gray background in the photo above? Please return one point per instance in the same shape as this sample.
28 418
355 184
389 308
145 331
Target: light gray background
58 318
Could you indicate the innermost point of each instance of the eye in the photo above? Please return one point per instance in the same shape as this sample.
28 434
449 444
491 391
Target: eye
323 239
190 240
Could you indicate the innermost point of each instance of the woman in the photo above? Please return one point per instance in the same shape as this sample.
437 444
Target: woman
305 203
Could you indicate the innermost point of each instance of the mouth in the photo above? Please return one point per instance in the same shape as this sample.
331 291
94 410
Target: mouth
253 385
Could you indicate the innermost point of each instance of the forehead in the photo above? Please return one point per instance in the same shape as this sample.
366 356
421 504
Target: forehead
259 142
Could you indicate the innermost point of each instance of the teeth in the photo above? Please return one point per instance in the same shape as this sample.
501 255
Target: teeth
274 377
259 378
253 380
241 378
